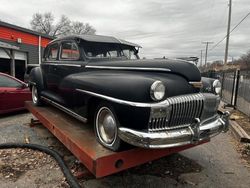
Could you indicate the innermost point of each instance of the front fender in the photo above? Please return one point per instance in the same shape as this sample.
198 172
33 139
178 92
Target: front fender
126 86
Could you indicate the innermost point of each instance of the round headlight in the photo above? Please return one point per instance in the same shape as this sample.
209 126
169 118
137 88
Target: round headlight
157 90
217 87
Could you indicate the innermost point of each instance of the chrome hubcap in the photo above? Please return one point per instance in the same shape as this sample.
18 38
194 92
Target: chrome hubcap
106 126
34 95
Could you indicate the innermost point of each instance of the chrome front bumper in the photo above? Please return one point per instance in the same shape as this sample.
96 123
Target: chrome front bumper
194 133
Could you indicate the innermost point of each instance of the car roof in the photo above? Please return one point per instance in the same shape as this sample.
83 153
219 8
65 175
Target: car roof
98 38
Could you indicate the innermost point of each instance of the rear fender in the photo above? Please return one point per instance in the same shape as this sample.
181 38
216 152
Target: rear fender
36 78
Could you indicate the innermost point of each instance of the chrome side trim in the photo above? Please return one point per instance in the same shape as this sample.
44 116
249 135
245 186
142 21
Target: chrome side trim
128 68
164 103
68 111
63 64
125 102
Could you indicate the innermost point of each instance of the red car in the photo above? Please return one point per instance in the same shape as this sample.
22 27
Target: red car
13 93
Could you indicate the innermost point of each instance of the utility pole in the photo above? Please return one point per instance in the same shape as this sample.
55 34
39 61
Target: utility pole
206 51
228 31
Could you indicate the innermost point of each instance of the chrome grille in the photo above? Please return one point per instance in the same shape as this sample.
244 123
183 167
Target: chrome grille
157 124
211 104
184 109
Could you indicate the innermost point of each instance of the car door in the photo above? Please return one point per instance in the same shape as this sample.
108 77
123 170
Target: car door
12 94
49 65
68 63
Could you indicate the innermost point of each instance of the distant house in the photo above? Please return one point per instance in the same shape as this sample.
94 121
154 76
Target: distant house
19 47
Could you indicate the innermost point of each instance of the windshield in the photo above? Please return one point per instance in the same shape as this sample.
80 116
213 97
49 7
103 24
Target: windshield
109 50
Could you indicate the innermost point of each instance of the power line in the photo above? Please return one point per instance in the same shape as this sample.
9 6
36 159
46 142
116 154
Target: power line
230 32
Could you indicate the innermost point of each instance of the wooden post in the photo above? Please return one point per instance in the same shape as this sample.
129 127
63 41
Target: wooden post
12 63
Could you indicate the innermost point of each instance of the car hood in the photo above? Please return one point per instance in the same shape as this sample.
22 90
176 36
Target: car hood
183 68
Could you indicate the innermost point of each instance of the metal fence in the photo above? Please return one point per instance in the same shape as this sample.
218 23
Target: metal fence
228 86
243 95
235 88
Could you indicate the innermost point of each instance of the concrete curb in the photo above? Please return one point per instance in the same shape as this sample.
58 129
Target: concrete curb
238 132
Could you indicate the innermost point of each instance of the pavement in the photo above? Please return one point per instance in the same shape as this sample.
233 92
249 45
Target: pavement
215 164
222 165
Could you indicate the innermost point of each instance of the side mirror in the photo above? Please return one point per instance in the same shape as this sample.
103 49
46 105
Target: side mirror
24 86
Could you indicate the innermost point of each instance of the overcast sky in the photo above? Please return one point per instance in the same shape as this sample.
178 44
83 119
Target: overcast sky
171 28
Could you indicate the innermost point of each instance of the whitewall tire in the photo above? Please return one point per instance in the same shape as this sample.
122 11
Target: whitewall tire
35 96
106 127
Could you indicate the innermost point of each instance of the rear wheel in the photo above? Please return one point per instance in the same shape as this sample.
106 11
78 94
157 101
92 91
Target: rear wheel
106 127
36 97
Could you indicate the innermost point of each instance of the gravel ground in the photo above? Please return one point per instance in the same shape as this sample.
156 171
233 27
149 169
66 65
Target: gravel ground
19 167
244 122
242 119
26 167
216 164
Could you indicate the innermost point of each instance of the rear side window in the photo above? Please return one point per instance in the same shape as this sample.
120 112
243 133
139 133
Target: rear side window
69 51
52 52
8 82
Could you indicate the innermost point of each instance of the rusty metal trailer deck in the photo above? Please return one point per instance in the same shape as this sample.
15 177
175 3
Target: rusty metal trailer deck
79 138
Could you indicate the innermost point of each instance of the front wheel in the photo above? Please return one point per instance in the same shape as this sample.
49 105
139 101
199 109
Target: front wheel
36 97
106 127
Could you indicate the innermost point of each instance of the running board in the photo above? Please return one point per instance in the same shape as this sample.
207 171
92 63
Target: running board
68 111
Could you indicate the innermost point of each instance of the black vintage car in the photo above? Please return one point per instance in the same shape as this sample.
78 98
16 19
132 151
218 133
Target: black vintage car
147 103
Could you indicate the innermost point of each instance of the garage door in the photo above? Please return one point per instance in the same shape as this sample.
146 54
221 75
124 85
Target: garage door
18 55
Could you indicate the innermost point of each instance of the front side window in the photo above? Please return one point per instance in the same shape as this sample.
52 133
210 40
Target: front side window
69 51
100 50
130 53
53 51
8 82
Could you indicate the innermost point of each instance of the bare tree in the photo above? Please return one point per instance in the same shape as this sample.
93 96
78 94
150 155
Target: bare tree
44 23
244 60
62 27
81 28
